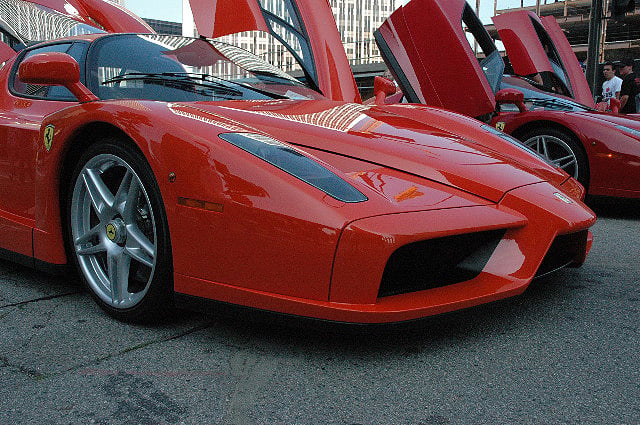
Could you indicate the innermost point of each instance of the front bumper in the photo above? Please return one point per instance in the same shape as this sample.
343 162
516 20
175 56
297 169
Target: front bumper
531 216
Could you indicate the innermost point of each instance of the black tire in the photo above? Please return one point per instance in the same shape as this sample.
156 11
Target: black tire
117 233
560 145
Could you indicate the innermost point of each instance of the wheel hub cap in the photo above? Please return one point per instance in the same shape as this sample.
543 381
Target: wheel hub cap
115 231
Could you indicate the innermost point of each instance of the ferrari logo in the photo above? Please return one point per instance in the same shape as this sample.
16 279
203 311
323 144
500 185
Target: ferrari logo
111 231
48 136
500 126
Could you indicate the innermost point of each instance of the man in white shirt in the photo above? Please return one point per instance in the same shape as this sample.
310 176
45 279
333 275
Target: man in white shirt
612 84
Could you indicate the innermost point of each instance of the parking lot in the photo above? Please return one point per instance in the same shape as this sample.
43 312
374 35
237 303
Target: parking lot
567 351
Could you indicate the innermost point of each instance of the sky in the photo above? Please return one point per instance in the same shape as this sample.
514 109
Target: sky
171 10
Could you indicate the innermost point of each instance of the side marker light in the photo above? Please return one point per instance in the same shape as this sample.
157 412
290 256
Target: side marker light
202 205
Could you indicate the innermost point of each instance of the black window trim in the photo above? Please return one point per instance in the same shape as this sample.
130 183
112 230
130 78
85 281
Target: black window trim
14 70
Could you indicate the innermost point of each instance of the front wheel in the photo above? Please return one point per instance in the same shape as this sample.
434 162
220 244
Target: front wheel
560 149
118 233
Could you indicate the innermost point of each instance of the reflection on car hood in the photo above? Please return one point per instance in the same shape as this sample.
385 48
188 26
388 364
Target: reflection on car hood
377 135
625 120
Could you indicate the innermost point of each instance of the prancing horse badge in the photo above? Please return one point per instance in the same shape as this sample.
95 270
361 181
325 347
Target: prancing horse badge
48 136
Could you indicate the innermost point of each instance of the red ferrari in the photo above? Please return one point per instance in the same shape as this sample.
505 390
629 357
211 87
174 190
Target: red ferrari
549 108
171 170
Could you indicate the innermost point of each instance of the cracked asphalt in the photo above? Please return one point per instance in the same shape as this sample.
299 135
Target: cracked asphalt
566 351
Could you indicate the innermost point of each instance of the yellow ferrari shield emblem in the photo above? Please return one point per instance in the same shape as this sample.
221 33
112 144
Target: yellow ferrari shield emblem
500 126
111 231
48 136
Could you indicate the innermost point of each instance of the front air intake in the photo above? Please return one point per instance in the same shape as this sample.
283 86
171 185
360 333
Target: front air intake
564 250
438 262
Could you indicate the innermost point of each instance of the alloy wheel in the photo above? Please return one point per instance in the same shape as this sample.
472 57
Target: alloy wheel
113 231
556 151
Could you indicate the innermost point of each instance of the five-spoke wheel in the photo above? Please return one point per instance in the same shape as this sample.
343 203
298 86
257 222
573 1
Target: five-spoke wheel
118 231
561 150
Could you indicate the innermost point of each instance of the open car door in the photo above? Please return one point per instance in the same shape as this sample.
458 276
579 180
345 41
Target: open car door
537 46
110 16
306 28
425 46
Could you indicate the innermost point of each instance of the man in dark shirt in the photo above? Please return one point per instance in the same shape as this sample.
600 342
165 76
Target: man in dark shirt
630 87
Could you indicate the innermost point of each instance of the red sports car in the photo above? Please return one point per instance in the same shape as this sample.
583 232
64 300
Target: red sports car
601 150
172 170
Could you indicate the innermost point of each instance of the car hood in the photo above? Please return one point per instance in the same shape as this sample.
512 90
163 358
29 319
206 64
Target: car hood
381 136
538 45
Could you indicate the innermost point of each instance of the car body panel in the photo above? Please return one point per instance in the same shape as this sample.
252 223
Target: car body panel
276 242
579 86
110 16
217 18
507 274
328 68
407 45
6 52
329 291
20 122
527 54
612 154
114 18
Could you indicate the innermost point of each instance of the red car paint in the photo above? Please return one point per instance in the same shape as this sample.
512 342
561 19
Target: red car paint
612 153
276 243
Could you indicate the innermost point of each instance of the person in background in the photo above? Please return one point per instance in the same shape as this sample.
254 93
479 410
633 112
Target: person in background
389 76
630 87
612 84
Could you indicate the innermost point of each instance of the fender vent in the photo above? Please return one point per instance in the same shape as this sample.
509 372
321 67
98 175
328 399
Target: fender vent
438 262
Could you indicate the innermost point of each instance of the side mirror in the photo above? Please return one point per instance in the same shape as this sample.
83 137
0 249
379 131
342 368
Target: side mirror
614 105
55 69
512 96
383 88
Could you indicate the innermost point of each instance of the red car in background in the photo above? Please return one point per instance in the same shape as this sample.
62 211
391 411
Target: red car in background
601 150
539 51
171 170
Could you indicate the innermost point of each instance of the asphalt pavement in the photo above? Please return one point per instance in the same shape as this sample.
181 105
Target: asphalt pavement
566 351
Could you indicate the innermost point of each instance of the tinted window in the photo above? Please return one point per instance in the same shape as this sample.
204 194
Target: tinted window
172 69
49 92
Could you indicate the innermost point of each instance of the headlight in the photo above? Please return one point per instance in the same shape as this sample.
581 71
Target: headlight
633 132
295 163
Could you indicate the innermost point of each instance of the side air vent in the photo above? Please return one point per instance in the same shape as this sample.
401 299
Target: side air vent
438 262
563 251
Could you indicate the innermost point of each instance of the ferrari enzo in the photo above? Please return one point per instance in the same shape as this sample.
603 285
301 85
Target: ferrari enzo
169 170
549 108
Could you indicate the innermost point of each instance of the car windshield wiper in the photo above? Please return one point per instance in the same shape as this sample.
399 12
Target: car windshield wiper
213 78
175 78
196 78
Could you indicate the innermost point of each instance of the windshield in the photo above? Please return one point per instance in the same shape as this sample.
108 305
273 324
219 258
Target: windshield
535 98
171 69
